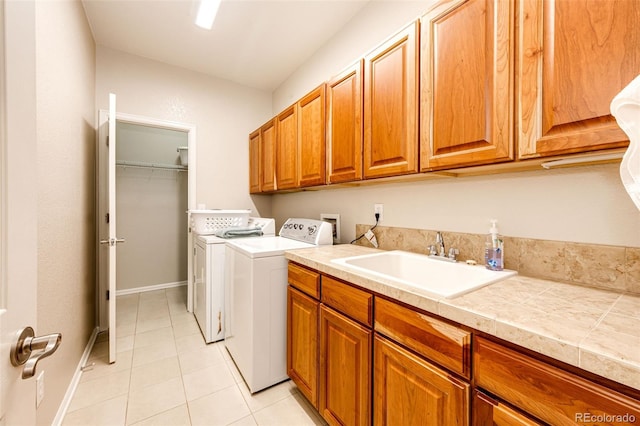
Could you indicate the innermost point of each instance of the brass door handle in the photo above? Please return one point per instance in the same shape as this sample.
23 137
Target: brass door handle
28 349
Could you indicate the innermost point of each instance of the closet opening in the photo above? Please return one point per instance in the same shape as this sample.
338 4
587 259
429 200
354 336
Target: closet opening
152 201
155 174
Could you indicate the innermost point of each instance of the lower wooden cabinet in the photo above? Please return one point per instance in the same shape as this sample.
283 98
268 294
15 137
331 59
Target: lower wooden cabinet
488 411
408 390
414 368
302 343
345 369
556 396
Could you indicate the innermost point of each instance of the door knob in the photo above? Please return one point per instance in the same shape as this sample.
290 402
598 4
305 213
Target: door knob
112 241
29 349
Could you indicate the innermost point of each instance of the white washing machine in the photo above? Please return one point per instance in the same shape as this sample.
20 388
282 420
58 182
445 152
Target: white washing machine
256 299
208 290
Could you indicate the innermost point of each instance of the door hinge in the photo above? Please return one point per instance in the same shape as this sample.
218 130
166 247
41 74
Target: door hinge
108 294
107 140
106 218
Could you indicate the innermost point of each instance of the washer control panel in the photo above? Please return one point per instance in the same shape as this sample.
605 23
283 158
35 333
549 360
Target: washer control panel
312 231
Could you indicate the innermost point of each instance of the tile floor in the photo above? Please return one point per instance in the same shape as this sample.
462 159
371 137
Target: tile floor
166 375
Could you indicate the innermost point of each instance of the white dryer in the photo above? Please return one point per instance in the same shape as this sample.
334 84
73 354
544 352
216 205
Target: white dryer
256 299
208 290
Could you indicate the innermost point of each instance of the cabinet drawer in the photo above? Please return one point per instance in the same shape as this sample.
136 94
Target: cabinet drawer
352 301
305 280
488 411
437 340
547 392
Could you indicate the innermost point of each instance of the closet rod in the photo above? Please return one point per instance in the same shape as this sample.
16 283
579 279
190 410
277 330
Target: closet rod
140 165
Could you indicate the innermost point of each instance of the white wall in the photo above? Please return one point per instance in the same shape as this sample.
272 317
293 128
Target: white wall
582 204
223 112
65 102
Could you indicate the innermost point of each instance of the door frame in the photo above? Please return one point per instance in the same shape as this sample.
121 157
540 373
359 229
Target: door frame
102 279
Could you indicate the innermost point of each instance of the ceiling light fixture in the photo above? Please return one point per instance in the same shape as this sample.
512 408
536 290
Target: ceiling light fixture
207 13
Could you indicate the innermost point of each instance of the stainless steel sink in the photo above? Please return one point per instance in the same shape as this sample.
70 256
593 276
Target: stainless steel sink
446 279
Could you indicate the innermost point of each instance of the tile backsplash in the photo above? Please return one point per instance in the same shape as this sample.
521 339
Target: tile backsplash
602 266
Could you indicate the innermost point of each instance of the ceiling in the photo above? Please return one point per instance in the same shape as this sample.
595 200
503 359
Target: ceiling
256 43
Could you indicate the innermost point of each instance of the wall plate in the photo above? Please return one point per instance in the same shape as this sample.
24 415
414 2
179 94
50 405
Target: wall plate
334 220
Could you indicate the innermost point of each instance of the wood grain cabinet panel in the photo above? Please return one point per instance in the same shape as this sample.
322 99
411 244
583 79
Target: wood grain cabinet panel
445 344
546 392
302 343
349 300
254 162
466 93
575 56
262 159
305 280
344 125
287 149
268 156
410 391
345 370
488 411
311 138
391 106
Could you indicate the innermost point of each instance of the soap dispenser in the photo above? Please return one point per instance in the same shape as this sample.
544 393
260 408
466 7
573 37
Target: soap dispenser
493 251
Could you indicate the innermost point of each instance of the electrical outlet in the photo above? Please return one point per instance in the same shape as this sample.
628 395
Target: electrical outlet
378 209
39 388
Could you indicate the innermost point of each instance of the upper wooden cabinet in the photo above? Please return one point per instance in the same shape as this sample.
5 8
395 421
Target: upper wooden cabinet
391 106
574 57
466 92
287 148
311 138
268 156
254 162
300 153
262 159
344 125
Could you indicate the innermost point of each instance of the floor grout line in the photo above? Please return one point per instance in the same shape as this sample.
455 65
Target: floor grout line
226 364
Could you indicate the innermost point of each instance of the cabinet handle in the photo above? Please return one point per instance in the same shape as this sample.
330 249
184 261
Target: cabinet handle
486 398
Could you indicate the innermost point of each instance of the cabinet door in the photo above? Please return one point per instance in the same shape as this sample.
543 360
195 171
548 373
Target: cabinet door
344 125
345 366
254 162
287 149
576 55
466 84
391 106
547 392
410 391
312 141
268 156
302 343
487 411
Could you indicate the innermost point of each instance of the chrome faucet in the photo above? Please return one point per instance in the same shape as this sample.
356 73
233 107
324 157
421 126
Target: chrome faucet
437 250
439 244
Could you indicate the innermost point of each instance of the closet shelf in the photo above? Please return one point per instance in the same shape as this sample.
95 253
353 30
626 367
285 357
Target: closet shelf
154 166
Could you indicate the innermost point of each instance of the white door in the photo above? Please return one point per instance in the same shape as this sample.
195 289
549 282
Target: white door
18 203
107 221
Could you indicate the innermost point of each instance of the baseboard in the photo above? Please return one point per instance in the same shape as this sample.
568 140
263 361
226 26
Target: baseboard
150 288
71 390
